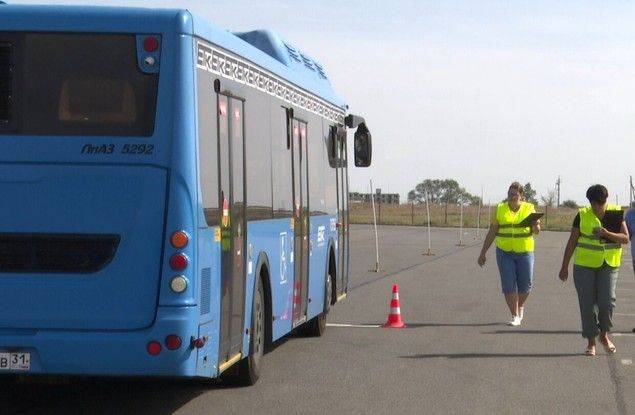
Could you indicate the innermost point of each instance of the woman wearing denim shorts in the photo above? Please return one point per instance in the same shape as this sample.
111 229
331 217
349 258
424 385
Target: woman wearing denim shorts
514 250
598 255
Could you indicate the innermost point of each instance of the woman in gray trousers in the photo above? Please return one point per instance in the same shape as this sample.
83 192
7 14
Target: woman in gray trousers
598 253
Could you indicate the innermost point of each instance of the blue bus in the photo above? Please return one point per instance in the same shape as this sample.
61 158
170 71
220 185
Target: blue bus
174 195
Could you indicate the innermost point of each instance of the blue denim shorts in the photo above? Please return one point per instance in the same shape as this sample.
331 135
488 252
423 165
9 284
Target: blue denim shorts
516 270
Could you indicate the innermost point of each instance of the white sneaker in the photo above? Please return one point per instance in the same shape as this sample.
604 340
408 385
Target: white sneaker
515 321
521 313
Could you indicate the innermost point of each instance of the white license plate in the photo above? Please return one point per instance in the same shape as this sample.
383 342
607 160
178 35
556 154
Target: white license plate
15 361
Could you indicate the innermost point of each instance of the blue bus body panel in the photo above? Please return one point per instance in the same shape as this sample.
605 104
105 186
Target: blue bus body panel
118 353
275 238
51 18
70 199
209 301
318 260
183 208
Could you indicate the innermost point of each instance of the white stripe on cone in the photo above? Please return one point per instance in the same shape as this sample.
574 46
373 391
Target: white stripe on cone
396 310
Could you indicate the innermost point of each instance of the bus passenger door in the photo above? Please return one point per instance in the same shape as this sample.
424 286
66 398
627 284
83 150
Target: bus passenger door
232 198
300 220
342 212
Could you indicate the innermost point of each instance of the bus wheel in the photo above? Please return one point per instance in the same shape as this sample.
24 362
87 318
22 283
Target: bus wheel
249 369
317 326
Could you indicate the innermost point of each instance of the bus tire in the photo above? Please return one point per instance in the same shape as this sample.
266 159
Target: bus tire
249 367
317 326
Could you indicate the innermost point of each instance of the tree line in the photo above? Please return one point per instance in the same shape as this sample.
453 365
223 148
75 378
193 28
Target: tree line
448 191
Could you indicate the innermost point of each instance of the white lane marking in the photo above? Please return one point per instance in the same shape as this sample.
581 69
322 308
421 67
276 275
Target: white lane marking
623 334
362 326
624 314
627 362
625 289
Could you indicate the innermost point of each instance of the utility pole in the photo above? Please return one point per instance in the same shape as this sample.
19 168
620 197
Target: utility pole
558 187
631 192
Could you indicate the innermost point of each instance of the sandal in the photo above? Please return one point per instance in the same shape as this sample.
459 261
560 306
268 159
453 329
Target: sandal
590 351
609 347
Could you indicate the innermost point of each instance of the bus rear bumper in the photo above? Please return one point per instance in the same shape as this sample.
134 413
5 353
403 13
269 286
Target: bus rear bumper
109 353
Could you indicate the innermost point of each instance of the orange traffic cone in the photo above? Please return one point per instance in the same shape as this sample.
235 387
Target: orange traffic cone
394 317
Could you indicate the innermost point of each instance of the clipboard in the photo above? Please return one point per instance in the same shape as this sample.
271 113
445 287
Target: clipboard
612 220
529 219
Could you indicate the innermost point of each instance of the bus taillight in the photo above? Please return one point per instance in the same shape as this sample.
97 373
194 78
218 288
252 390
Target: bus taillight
178 284
150 44
179 239
178 262
173 342
154 348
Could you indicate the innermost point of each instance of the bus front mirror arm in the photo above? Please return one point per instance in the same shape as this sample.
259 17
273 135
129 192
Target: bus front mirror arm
352 120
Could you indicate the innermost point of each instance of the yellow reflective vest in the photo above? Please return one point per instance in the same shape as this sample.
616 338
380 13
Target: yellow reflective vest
591 251
510 237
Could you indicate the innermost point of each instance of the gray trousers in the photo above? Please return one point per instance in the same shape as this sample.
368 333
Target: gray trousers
596 295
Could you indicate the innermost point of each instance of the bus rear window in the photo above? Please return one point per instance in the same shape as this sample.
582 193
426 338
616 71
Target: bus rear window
74 84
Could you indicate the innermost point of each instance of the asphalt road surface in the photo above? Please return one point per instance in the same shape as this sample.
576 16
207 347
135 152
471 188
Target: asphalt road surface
456 356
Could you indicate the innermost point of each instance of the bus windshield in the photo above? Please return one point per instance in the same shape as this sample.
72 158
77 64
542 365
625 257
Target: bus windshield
74 84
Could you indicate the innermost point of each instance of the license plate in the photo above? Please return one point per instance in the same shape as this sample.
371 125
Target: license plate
15 361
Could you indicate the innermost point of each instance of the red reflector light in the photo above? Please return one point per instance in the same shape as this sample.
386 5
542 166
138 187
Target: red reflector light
150 44
178 262
198 343
172 342
154 348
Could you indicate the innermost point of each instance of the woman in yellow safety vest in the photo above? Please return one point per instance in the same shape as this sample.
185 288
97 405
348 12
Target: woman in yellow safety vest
514 250
598 254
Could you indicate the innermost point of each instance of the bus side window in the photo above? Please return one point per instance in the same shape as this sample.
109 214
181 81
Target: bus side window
341 142
208 152
332 146
282 190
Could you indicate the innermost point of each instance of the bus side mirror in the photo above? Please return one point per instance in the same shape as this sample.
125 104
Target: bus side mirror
363 146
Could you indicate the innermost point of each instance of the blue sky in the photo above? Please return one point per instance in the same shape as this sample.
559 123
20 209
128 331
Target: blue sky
485 92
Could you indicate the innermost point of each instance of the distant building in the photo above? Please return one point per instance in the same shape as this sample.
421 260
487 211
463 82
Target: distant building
383 198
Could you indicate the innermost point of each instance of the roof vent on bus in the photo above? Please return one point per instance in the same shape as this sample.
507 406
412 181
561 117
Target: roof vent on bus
308 62
320 70
266 41
283 52
292 52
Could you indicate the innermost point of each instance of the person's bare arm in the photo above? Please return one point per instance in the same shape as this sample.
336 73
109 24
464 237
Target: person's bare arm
491 235
568 253
535 227
620 237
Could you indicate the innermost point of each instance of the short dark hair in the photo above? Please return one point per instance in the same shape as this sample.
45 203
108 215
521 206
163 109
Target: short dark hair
597 193
517 187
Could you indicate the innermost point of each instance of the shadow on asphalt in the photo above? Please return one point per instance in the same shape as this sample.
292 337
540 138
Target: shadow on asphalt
516 331
420 325
94 395
81 395
488 355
